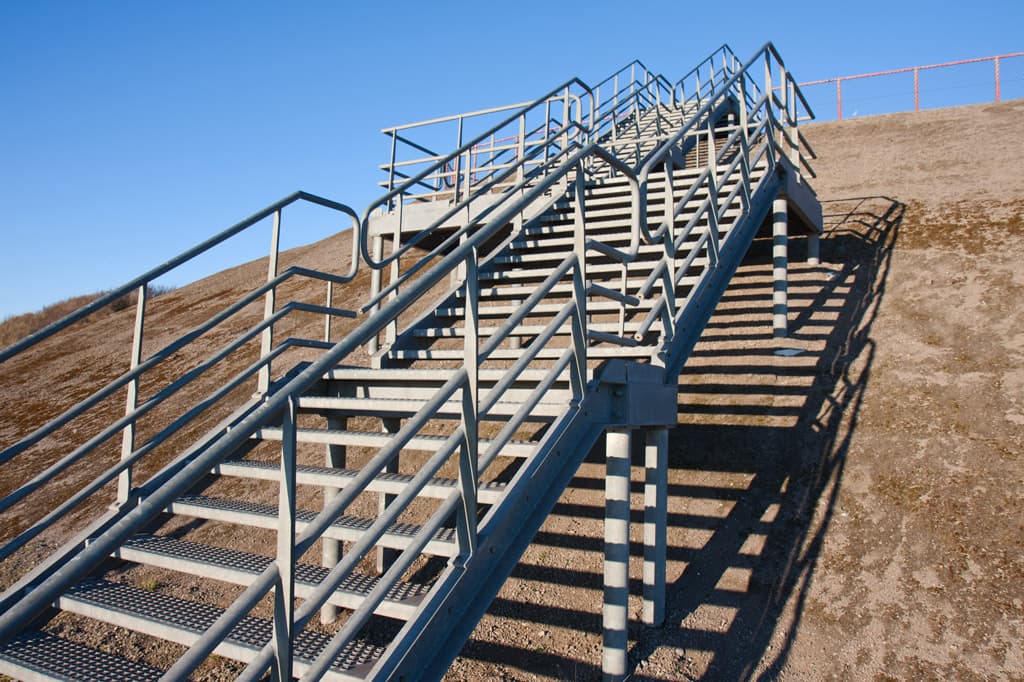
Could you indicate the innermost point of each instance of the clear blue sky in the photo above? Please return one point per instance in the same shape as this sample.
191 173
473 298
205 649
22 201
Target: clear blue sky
130 131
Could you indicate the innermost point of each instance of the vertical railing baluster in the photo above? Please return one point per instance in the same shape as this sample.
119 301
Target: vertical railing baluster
468 452
578 331
566 113
124 481
456 171
520 167
391 168
377 245
328 316
547 134
284 590
745 149
267 338
391 331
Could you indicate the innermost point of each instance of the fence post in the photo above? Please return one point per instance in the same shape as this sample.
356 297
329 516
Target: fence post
917 90
997 79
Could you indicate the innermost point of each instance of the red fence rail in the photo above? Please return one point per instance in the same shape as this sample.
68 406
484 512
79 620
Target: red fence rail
916 71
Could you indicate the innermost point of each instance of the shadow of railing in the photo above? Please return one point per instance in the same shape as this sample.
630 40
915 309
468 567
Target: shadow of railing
755 467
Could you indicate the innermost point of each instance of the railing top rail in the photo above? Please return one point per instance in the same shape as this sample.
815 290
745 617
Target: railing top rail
770 47
167 266
908 69
413 181
657 77
455 117
657 156
723 49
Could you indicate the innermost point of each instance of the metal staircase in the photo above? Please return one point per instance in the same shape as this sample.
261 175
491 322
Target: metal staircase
534 289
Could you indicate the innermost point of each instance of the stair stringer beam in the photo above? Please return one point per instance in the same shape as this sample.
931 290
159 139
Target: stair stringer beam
430 642
705 298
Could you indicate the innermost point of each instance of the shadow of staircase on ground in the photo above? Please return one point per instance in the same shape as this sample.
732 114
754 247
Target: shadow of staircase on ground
755 465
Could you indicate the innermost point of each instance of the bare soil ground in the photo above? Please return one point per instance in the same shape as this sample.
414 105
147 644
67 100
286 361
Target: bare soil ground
851 511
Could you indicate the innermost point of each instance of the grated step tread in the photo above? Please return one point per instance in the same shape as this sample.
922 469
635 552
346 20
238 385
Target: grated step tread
42 656
377 439
404 406
385 482
346 527
240 567
184 621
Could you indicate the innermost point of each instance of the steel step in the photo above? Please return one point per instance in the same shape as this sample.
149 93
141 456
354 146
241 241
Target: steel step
524 330
548 353
388 483
182 621
523 291
37 655
609 271
348 528
430 375
377 439
602 211
535 256
398 407
619 239
241 568
545 308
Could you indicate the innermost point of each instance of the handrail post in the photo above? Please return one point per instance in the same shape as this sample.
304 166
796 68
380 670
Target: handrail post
391 169
327 316
578 331
457 175
124 481
566 113
520 167
793 131
391 331
579 221
373 345
267 337
713 219
468 452
547 133
284 589
839 99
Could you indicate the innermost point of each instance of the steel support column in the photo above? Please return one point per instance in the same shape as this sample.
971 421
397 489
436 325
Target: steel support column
813 249
780 265
655 521
334 457
615 613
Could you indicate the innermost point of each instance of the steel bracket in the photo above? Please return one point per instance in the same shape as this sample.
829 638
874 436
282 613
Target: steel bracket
640 395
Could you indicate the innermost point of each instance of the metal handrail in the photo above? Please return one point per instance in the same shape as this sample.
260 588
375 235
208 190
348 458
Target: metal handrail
163 269
125 425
